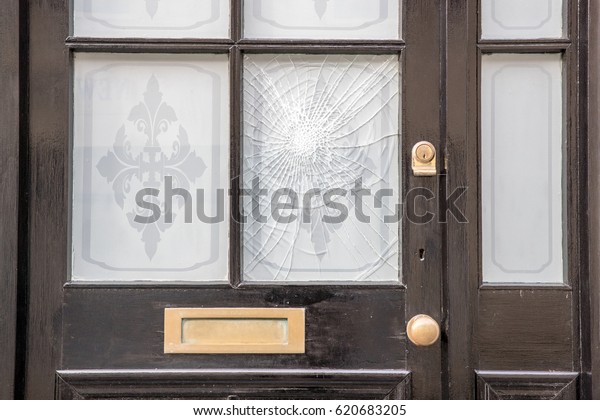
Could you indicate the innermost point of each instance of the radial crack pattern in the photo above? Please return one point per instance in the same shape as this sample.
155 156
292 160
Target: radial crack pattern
318 123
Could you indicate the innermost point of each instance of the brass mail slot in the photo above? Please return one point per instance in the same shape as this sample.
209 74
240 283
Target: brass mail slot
234 330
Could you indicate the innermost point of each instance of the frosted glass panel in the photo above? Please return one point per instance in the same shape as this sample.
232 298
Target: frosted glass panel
318 132
522 168
148 130
151 18
322 19
522 19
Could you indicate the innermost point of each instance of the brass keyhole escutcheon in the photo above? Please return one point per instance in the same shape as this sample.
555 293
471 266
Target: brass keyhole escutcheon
423 330
423 159
425 153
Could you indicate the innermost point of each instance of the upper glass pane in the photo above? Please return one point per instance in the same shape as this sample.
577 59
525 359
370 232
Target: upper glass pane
522 168
321 168
151 18
522 19
322 19
150 167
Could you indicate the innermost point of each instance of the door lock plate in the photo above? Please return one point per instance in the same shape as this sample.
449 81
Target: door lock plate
424 159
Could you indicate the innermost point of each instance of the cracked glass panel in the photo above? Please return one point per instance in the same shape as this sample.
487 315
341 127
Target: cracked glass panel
322 19
151 18
150 156
522 144
522 19
321 168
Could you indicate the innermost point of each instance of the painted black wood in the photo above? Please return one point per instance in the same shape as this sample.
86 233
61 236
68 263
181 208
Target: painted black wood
235 149
122 328
590 108
461 242
47 188
9 191
113 334
423 120
529 327
233 384
507 385
525 330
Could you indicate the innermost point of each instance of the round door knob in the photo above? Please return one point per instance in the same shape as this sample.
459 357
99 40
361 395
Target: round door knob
423 330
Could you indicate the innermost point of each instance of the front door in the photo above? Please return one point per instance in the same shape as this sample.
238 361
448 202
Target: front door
303 199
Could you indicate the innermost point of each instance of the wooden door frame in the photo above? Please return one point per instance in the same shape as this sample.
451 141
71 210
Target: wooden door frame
43 242
10 135
33 227
460 148
590 131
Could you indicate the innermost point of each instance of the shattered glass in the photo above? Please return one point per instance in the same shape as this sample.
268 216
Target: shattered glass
318 133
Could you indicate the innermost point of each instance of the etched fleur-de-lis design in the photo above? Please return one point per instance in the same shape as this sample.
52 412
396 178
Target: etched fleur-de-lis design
149 146
320 7
151 7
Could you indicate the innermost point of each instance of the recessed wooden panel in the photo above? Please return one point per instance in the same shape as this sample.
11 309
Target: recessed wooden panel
525 330
254 384
371 329
234 330
506 385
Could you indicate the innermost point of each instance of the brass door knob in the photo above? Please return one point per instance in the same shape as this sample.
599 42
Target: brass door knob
423 330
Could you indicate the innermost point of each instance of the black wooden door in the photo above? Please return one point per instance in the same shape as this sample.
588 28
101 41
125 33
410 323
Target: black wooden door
102 335
519 337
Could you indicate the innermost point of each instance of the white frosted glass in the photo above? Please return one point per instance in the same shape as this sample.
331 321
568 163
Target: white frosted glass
139 121
321 123
322 19
522 19
522 168
151 18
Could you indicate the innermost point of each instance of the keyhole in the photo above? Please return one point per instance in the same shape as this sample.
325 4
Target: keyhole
424 153
422 254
